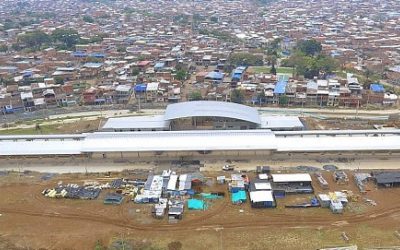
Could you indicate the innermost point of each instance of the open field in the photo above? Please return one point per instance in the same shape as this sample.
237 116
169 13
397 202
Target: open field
30 220
55 127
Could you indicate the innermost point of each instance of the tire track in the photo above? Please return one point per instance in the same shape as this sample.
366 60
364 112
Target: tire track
278 220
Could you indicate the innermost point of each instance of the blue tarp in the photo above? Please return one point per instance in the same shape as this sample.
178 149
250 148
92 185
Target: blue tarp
237 73
159 65
27 73
377 88
195 204
79 54
98 55
280 87
239 197
140 88
215 75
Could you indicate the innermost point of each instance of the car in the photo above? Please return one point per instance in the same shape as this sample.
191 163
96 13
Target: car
228 167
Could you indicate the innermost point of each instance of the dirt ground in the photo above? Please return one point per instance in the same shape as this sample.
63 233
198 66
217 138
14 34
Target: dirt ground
72 126
338 124
31 221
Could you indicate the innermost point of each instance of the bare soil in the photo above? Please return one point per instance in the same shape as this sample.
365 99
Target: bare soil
31 221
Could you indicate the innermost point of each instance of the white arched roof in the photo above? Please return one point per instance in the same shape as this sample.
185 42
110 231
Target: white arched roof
212 109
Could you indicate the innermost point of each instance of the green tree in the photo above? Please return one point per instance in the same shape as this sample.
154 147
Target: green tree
181 75
237 96
59 80
67 37
3 48
283 100
88 19
309 47
273 70
16 46
195 96
34 40
121 48
135 71
214 19
246 59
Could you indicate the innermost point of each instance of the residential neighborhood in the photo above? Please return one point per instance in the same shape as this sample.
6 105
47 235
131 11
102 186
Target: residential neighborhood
135 53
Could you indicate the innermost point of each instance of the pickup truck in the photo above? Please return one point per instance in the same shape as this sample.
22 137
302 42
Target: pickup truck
228 167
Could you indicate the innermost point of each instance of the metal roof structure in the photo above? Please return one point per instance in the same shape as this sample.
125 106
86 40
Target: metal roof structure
137 122
212 109
279 178
261 196
39 147
389 177
281 122
205 140
337 143
202 140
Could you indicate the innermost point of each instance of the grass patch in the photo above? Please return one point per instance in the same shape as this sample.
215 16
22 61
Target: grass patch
49 129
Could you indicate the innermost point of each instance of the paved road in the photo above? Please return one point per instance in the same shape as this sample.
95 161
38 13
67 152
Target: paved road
119 110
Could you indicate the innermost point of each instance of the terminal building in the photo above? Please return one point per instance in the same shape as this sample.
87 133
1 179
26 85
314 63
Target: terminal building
204 115
200 130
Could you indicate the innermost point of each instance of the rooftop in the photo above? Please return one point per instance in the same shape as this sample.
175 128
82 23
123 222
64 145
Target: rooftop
212 109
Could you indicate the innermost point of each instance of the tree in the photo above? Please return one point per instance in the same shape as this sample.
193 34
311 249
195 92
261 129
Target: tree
181 75
283 100
237 96
135 71
59 80
34 40
273 70
16 46
67 37
214 19
261 97
309 47
3 48
246 59
88 19
121 49
37 127
195 96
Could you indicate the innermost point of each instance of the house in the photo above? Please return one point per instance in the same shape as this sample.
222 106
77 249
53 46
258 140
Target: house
89 96
214 77
122 93
27 99
152 92
238 74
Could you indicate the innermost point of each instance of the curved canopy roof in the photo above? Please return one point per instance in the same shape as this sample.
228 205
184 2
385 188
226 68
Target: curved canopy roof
212 109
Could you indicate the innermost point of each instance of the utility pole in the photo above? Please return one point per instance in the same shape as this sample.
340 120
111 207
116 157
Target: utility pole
358 105
138 103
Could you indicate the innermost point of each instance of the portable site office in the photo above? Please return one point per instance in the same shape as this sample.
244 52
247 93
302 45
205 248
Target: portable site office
291 183
262 199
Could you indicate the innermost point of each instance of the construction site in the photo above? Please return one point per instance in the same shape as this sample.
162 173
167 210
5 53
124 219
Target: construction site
82 211
202 175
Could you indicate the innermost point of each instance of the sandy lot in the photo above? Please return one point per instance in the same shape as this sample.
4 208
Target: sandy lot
31 221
